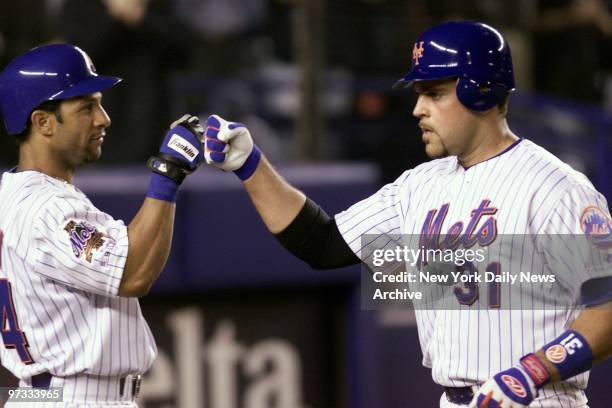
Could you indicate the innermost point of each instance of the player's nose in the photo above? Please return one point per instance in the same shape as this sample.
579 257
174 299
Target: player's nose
101 118
420 108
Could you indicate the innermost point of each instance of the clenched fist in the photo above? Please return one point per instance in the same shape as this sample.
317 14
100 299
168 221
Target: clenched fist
229 146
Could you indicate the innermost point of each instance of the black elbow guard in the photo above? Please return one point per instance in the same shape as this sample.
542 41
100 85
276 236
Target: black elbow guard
314 238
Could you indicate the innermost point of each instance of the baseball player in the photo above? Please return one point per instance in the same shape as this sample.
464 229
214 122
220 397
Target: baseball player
483 181
70 275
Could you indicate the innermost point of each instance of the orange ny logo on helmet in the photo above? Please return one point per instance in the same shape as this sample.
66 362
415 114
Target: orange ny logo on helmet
417 52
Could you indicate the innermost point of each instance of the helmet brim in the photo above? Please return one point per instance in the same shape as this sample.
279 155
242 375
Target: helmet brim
410 79
87 86
402 83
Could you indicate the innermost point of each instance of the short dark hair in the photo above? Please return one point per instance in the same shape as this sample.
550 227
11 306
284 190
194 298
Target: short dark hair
47 106
502 105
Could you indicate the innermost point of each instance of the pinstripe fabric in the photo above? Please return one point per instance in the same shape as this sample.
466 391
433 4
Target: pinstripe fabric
533 192
64 260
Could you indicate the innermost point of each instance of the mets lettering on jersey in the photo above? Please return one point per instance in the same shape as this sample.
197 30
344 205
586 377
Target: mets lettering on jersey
440 204
455 236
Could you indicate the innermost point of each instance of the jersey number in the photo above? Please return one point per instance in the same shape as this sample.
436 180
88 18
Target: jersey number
12 337
467 293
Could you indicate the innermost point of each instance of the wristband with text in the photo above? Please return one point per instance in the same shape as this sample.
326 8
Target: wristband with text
570 353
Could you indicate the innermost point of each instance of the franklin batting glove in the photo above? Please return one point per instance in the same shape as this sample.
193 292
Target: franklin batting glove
183 143
181 152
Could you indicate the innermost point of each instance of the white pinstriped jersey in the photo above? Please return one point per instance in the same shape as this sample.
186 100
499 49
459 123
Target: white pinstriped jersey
62 261
523 190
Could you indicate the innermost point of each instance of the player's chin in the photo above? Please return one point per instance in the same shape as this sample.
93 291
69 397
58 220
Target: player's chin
435 151
92 155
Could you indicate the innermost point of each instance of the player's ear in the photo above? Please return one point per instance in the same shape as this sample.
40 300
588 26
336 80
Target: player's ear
43 122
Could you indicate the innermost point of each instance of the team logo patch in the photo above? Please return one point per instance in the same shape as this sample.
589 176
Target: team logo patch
183 147
514 385
556 354
417 52
597 226
84 238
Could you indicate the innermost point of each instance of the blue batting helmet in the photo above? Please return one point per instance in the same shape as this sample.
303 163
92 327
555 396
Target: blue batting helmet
46 73
475 53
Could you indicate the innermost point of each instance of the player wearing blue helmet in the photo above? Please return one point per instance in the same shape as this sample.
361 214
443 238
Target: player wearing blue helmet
476 55
50 73
483 181
71 274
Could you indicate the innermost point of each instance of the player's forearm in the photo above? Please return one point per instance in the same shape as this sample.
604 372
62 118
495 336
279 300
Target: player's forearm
587 342
276 201
150 238
150 232
595 325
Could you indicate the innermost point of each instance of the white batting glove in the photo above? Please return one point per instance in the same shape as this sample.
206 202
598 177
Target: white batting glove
512 388
229 146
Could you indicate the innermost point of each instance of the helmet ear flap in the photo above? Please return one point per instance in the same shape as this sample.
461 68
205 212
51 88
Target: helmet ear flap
479 96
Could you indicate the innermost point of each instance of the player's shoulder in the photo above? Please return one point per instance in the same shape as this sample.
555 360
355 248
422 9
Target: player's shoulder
551 170
424 171
28 189
445 164
33 182
430 169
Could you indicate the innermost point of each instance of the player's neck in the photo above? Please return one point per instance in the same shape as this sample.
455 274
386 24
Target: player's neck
488 143
44 162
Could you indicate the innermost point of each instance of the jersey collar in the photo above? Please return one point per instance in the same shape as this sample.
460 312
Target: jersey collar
506 150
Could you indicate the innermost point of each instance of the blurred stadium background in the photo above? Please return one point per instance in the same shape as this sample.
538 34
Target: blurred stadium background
240 323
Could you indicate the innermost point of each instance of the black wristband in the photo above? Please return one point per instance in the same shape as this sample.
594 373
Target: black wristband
167 168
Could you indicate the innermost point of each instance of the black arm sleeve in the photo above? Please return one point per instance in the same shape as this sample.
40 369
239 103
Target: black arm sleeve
314 238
